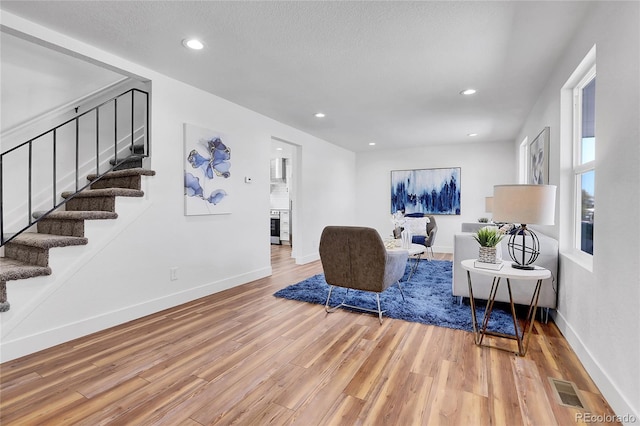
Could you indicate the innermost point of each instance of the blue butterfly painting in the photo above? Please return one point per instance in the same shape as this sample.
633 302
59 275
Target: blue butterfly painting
218 163
215 163
193 189
192 186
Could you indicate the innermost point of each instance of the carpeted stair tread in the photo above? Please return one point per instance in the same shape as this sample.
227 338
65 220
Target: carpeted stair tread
130 159
27 255
137 148
12 269
133 161
105 192
77 215
136 171
47 241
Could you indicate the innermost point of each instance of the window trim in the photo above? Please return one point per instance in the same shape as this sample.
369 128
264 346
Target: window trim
579 168
523 175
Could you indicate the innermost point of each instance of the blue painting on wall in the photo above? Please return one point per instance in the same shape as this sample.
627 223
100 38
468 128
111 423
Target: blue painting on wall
207 171
428 191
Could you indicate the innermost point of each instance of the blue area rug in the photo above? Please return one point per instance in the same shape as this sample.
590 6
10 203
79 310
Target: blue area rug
428 299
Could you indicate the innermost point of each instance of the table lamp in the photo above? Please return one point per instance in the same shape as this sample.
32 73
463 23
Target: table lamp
488 206
524 204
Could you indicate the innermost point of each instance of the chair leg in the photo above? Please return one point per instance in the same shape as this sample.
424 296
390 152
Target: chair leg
326 305
330 309
544 315
379 310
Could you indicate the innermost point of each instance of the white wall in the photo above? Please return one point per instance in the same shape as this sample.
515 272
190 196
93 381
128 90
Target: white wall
128 276
598 310
482 166
38 80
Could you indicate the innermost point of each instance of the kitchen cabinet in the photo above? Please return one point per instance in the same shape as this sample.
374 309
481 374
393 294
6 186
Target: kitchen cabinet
285 225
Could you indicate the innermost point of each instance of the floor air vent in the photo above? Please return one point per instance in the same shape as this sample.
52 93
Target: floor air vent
567 393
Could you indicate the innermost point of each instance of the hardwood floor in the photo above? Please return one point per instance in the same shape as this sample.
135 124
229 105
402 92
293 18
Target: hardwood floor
244 357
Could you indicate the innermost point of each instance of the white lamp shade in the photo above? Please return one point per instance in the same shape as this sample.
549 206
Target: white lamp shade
524 204
488 204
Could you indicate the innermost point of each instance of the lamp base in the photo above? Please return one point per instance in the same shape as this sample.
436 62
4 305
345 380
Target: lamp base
524 248
525 267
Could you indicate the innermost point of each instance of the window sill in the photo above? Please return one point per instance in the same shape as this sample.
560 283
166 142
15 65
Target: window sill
581 259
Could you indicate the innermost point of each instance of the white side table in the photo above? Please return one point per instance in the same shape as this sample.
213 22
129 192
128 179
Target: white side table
508 272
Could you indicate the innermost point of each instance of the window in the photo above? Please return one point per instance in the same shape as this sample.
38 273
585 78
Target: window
524 161
584 155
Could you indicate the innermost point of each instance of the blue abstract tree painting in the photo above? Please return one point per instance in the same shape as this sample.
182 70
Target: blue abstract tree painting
207 172
428 191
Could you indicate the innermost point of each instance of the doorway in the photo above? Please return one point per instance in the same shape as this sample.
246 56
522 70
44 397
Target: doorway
283 193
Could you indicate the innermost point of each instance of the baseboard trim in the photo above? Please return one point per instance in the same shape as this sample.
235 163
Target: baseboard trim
620 405
13 349
303 260
100 234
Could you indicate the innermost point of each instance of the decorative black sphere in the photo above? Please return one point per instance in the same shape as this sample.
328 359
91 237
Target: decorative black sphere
523 247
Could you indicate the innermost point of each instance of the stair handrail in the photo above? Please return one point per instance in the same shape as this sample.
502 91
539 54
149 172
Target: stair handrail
78 188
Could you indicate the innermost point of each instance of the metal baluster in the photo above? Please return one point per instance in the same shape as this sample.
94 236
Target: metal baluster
97 141
146 128
55 150
1 202
133 151
115 131
30 181
77 152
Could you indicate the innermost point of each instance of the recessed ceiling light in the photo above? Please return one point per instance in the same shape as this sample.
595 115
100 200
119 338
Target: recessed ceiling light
278 149
192 43
468 92
319 115
472 134
372 143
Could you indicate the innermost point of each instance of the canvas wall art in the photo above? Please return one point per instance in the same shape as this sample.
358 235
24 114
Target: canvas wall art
207 172
539 159
428 191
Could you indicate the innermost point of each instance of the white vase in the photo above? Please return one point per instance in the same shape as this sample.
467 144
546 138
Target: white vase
406 238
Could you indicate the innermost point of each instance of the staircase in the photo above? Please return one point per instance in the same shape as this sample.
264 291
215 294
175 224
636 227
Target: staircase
27 255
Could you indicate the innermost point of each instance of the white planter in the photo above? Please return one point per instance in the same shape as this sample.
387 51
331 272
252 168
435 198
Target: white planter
487 255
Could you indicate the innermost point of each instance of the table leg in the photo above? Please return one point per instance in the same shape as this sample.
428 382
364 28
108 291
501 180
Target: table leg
490 302
531 316
522 338
472 302
515 320
414 267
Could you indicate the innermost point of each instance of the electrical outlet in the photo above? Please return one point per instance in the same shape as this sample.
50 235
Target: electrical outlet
173 273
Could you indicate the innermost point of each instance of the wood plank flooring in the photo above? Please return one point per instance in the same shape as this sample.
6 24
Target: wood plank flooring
244 357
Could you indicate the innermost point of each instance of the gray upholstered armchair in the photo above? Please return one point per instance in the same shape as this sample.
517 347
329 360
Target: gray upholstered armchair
432 229
355 258
426 238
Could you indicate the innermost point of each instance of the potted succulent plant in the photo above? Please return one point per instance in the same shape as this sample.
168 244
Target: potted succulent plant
488 237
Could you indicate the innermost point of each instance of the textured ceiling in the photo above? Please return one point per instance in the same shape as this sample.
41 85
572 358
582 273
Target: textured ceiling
384 72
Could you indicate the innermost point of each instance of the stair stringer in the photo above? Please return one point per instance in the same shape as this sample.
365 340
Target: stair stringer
26 296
